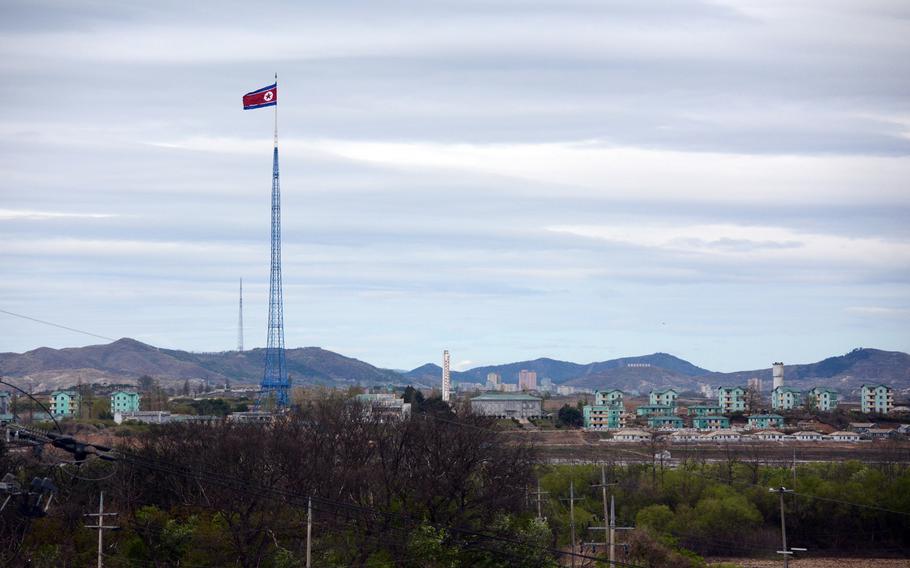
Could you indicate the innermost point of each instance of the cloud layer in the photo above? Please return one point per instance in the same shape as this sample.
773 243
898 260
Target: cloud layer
725 180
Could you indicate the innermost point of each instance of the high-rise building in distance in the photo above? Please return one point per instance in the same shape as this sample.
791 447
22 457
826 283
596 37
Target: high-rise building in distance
527 380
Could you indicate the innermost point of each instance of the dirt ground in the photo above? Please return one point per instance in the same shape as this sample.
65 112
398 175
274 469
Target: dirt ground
816 563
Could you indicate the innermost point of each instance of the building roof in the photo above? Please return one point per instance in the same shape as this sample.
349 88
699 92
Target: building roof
730 388
786 389
769 433
610 407
121 391
712 417
661 406
823 389
66 392
608 391
665 418
807 433
842 433
662 391
723 432
875 386
631 432
704 406
766 416
506 396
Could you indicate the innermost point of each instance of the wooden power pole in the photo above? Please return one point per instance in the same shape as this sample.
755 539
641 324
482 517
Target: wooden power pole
101 527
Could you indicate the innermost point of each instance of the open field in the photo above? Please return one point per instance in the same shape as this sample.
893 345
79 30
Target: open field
817 563
577 446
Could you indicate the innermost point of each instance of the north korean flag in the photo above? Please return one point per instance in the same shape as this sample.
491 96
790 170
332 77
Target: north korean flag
266 96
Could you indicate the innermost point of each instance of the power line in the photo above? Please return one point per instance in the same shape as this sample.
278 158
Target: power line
52 324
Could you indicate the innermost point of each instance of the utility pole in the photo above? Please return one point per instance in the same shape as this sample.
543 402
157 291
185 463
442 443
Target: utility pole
612 532
609 521
572 499
783 528
309 528
538 493
101 528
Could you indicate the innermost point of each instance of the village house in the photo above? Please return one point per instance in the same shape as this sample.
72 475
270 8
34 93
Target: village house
824 399
807 436
654 410
685 435
704 410
878 433
602 417
844 436
770 436
731 399
876 399
6 414
665 422
384 406
723 435
785 398
710 422
124 401
64 403
861 427
612 397
663 397
765 421
631 435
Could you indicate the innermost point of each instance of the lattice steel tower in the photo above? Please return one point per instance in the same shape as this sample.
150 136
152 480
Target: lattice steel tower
275 386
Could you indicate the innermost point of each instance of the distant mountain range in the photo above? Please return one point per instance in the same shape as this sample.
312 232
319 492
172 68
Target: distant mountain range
846 372
126 359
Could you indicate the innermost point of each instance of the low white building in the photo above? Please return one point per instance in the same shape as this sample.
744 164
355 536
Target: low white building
385 406
845 436
631 435
144 416
724 435
686 435
770 436
159 417
807 436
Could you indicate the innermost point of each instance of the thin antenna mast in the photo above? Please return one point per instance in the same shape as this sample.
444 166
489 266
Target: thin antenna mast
240 320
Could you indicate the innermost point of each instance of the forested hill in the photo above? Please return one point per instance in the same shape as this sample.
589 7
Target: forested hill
126 359
843 372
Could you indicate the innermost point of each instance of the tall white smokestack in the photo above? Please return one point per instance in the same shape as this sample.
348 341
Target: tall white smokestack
777 374
446 379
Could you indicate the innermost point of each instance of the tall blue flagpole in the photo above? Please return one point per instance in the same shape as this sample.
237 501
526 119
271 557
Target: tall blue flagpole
275 385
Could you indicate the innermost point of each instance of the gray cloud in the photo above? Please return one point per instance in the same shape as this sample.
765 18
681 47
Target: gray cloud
429 148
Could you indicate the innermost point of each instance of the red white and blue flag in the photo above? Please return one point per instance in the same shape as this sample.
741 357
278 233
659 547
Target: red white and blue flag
266 96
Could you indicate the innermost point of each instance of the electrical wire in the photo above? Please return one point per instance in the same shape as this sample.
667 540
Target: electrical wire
61 326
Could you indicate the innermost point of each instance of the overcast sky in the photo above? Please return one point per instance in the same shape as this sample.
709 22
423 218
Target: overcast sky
727 181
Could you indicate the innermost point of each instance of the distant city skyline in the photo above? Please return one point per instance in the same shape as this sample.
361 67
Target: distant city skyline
725 181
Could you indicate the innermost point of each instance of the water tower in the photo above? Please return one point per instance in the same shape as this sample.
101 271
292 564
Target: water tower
777 374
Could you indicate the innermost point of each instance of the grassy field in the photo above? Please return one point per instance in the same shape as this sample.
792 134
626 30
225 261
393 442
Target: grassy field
816 563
